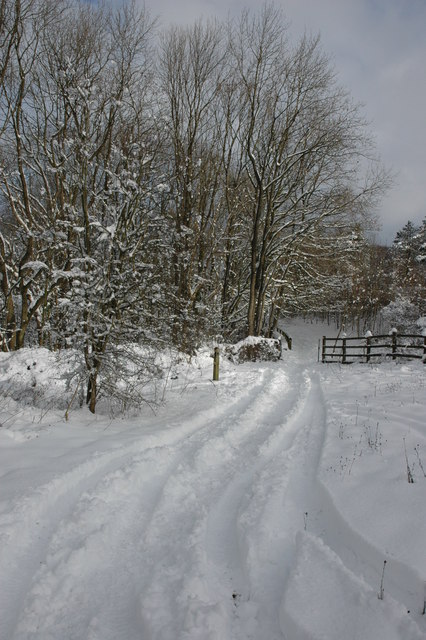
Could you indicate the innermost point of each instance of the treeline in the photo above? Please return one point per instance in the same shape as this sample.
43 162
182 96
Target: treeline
167 186
383 287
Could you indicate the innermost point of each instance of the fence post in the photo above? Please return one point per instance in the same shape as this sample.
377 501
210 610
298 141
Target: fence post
323 348
287 338
368 337
394 333
343 350
216 364
368 348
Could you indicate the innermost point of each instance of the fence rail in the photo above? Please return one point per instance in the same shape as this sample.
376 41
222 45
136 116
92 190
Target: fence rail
349 350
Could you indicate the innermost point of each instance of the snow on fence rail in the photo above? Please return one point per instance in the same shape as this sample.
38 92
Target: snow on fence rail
348 350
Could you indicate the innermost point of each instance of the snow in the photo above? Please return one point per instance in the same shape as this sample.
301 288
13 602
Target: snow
262 506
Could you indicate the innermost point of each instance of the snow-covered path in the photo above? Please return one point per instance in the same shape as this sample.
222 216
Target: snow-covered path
210 523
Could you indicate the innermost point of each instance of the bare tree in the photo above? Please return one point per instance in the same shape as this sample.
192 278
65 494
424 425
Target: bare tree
23 285
10 18
84 140
192 70
302 140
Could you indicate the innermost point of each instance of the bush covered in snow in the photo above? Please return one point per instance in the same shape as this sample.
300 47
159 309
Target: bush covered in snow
254 349
50 380
401 314
38 377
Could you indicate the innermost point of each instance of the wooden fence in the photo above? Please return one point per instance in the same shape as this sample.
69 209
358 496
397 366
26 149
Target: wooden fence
349 350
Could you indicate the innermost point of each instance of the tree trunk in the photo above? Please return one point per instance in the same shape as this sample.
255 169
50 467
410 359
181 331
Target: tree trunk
91 395
251 314
9 341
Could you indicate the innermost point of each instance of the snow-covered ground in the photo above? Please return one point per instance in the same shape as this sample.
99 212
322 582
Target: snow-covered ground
272 504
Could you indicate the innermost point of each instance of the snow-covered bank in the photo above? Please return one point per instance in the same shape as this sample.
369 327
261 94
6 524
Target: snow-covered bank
261 506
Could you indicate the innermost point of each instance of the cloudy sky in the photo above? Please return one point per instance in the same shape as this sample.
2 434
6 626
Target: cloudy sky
378 48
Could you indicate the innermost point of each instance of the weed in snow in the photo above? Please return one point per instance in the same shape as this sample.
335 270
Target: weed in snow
373 437
410 476
382 587
305 520
419 460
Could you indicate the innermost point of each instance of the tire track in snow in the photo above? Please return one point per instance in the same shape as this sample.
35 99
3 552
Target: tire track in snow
351 558
89 575
22 561
191 590
262 512
39 516
362 558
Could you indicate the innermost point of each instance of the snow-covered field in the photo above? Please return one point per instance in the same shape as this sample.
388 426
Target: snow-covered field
272 504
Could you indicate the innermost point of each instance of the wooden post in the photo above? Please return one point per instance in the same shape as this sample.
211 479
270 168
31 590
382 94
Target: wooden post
287 338
394 345
424 350
216 364
368 339
343 350
324 341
